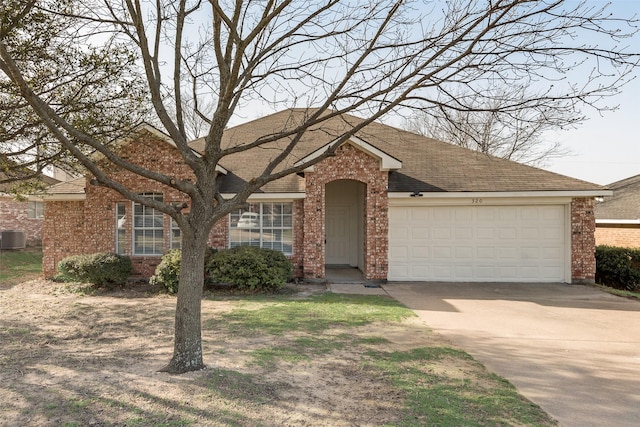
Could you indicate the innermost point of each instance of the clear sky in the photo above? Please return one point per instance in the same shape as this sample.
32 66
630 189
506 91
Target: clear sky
606 148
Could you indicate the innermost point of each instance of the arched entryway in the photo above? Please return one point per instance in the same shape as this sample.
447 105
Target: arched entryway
355 176
344 224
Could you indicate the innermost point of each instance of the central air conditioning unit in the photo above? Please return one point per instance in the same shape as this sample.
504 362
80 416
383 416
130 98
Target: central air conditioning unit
12 239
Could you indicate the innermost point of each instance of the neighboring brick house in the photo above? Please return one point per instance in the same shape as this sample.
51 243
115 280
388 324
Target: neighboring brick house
394 204
618 216
22 215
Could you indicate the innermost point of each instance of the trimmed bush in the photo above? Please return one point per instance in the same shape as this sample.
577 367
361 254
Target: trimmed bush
250 268
101 269
167 274
618 268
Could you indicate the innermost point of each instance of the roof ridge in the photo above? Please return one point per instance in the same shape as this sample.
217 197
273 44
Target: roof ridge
625 182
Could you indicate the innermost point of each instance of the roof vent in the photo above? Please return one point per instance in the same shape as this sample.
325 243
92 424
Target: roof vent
12 239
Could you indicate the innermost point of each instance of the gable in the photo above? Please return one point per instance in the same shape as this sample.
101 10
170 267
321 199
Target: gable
387 162
624 204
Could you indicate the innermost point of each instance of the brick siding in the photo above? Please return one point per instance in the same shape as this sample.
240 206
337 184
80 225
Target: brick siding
63 233
13 216
622 235
77 227
98 209
353 164
84 227
583 244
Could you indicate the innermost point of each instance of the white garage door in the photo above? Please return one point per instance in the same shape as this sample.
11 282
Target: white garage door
477 243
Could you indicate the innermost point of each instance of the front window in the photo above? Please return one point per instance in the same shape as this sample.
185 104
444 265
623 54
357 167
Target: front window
266 225
176 235
121 231
35 210
148 235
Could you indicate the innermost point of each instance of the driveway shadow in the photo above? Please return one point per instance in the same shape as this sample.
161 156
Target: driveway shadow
438 296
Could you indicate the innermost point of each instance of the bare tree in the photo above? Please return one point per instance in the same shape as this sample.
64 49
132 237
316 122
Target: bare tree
486 127
368 58
92 88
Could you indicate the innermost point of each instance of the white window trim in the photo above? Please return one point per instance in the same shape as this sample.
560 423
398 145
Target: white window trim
172 226
134 228
261 228
35 205
118 249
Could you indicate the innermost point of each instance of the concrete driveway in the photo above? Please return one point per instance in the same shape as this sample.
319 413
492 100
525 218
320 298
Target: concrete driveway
573 350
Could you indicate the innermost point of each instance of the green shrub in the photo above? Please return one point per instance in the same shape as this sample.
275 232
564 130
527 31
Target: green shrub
618 267
167 274
101 269
250 268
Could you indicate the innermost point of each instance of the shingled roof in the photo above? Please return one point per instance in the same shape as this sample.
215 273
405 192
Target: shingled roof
428 165
72 187
625 202
6 187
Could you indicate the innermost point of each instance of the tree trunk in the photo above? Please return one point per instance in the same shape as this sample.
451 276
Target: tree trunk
187 352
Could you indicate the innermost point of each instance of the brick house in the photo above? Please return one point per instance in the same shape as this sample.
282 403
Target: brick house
22 215
395 205
618 215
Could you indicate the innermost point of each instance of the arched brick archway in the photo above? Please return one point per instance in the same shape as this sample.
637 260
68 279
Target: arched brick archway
349 163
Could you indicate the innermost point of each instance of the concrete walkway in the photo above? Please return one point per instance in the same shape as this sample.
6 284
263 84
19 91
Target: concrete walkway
573 350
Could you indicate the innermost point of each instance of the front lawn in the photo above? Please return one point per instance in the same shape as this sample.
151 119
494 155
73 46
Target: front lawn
19 265
304 358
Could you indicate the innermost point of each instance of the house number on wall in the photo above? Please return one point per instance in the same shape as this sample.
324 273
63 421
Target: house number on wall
476 201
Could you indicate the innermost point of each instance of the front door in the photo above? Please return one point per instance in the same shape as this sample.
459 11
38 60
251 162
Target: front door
338 235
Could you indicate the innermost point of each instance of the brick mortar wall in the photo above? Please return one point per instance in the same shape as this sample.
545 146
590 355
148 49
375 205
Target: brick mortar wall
89 226
622 236
349 163
14 216
63 233
583 242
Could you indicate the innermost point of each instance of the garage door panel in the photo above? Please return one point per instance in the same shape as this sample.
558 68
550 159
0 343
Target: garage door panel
419 233
463 214
530 253
551 253
530 233
464 252
418 252
442 252
487 252
464 233
443 272
530 273
441 233
486 215
508 233
440 215
508 252
477 243
529 213
551 233
399 253
507 213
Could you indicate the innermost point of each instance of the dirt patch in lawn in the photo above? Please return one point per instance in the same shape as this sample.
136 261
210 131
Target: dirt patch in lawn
71 359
